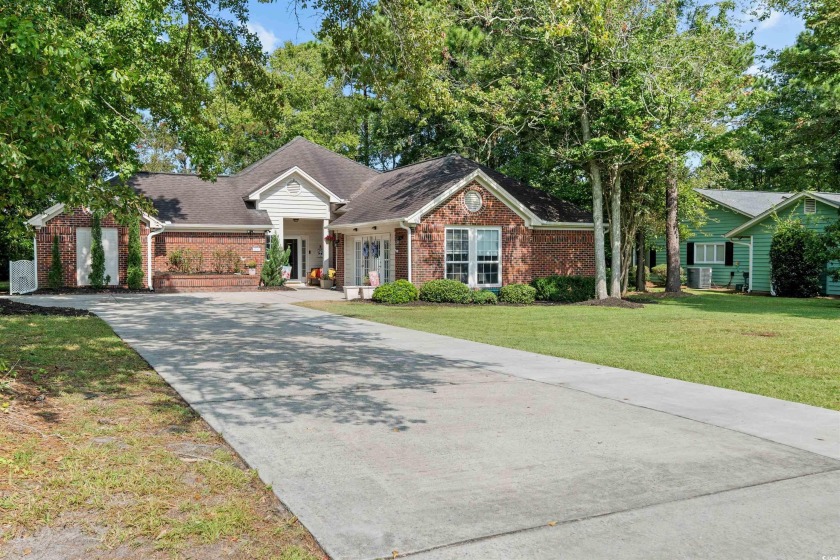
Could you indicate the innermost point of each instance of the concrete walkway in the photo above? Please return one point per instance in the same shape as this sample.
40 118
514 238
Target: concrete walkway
383 439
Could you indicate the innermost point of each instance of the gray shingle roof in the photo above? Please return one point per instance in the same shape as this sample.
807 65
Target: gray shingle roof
399 193
373 196
834 197
751 203
189 200
339 174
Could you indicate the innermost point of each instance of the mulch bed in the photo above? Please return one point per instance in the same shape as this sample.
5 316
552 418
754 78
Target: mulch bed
88 290
276 289
9 307
611 302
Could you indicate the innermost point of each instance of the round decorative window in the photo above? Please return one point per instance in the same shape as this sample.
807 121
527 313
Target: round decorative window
472 200
293 187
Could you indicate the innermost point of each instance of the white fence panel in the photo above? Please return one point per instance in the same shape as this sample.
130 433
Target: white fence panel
22 277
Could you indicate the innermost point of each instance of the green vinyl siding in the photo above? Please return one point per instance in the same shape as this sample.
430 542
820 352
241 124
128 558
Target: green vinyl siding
762 234
719 221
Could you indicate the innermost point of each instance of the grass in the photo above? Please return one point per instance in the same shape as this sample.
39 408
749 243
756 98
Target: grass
4 287
782 348
91 438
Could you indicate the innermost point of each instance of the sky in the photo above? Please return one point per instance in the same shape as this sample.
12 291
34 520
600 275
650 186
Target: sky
276 23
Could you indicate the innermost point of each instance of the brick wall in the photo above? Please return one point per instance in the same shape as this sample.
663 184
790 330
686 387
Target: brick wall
64 225
526 253
400 254
338 251
206 243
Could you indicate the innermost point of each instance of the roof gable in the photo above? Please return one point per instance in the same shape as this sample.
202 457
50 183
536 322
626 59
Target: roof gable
747 203
407 193
829 199
335 173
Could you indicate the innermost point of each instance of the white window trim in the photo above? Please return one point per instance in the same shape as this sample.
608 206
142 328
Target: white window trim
703 261
472 276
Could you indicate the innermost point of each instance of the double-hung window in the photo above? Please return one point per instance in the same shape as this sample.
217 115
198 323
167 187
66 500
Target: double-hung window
709 253
473 255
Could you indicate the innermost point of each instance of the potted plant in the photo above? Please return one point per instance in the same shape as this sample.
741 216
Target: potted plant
327 279
366 281
252 267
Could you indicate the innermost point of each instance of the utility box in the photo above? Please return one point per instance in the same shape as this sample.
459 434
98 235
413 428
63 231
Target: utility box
699 278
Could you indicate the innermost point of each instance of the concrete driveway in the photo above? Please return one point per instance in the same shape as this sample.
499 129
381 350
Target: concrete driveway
388 441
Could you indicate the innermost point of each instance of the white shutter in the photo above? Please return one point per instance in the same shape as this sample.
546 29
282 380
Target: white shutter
82 256
110 241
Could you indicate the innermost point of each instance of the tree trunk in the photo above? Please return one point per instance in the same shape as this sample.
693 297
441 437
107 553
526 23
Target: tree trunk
597 214
641 261
672 230
615 233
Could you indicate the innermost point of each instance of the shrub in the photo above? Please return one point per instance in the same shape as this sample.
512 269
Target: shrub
186 261
659 274
134 262
445 291
225 261
484 297
275 260
97 277
797 260
55 278
517 293
564 289
401 291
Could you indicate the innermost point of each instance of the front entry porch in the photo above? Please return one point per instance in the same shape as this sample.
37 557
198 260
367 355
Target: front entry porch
306 240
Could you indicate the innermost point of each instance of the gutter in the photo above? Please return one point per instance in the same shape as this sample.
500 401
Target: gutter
408 230
149 256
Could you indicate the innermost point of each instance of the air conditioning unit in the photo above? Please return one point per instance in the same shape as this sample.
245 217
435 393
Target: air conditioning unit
699 278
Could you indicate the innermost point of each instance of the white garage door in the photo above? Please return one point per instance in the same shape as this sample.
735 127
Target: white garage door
83 261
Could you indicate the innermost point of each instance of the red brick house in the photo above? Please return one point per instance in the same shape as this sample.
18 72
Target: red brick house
447 217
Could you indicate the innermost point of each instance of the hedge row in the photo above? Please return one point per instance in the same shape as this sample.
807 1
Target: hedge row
563 289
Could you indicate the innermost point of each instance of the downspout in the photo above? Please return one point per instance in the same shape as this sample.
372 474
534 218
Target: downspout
34 248
149 257
408 231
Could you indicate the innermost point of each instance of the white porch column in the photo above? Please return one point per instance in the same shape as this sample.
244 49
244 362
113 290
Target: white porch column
278 229
325 270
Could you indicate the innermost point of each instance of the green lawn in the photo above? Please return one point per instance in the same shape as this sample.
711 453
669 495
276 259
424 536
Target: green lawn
4 287
783 348
92 439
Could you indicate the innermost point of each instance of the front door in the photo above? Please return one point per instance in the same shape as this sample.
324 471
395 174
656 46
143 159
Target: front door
293 257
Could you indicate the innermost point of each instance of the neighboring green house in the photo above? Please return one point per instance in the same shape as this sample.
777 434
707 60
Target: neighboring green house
739 228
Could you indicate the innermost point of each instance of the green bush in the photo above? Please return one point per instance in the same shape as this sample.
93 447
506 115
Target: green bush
226 261
401 291
275 260
134 263
517 293
55 278
564 289
797 260
659 274
186 261
484 297
97 278
445 291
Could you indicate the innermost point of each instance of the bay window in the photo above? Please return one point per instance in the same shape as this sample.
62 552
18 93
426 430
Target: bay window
473 255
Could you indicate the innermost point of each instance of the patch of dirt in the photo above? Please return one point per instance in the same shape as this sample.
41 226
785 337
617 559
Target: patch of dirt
54 543
611 302
9 307
766 334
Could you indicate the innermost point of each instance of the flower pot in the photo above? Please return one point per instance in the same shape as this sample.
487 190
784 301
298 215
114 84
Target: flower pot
326 284
252 272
